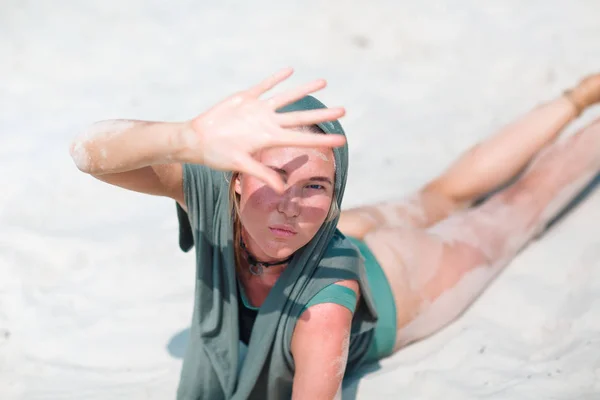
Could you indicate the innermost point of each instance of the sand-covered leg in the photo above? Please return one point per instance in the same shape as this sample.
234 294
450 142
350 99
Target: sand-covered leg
418 210
435 274
495 161
480 170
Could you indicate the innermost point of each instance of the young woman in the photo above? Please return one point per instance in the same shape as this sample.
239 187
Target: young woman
312 292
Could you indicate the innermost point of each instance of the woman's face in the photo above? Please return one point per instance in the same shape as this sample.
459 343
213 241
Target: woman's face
274 225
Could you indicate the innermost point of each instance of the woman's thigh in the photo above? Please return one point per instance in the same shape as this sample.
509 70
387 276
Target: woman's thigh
418 210
434 274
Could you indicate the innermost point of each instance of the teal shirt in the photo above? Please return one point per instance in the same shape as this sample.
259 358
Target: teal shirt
211 368
337 294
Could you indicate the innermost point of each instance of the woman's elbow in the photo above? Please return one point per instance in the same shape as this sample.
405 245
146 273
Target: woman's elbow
81 156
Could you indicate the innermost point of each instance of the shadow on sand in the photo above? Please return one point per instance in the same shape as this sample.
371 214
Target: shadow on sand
178 343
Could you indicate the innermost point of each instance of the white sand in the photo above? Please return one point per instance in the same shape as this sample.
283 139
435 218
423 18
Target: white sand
95 297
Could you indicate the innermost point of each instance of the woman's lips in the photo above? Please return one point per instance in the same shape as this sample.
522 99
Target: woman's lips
282 231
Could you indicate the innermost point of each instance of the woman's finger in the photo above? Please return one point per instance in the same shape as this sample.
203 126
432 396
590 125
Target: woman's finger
291 95
270 82
289 138
249 165
311 117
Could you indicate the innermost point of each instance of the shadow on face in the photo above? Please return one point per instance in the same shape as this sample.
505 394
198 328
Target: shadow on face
276 225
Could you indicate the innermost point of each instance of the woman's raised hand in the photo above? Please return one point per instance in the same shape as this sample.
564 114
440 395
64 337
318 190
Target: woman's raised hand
226 136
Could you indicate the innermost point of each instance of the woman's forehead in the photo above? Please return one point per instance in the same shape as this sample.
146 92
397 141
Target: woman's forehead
296 158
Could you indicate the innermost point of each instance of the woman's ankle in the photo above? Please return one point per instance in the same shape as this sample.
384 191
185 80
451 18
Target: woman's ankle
585 94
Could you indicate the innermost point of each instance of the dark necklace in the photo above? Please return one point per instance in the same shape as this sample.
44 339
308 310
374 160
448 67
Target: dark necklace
256 267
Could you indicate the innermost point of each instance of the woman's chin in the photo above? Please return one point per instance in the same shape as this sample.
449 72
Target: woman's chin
280 251
281 254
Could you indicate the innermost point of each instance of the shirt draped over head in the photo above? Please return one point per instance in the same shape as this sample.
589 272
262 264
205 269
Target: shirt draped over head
211 362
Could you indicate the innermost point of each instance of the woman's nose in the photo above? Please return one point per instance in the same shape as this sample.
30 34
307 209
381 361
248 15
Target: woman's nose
289 203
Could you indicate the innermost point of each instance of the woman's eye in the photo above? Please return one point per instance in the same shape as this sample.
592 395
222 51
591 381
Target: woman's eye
316 186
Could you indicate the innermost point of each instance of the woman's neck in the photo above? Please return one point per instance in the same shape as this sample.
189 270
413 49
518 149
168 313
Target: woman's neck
257 287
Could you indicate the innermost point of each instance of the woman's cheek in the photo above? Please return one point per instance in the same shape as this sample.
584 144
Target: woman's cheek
261 197
317 211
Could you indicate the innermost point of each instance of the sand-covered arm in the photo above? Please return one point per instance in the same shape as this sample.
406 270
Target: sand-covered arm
147 156
138 155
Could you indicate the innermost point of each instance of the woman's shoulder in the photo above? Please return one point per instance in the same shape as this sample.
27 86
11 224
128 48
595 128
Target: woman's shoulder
198 178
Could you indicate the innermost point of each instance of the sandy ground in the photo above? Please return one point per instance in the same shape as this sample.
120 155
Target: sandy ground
95 297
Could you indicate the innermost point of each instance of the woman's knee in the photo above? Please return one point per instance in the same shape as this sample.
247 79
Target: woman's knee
440 203
358 222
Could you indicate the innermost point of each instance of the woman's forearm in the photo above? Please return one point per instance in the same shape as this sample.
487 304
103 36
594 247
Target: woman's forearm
115 146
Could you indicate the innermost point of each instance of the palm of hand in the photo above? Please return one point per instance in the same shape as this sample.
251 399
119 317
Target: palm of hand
231 132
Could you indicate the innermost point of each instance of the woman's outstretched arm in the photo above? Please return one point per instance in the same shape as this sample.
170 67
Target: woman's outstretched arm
136 155
147 156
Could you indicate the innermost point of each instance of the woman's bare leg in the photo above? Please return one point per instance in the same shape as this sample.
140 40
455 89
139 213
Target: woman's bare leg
479 170
436 273
482 169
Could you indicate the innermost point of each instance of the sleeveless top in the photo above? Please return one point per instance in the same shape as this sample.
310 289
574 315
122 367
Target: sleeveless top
211 367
